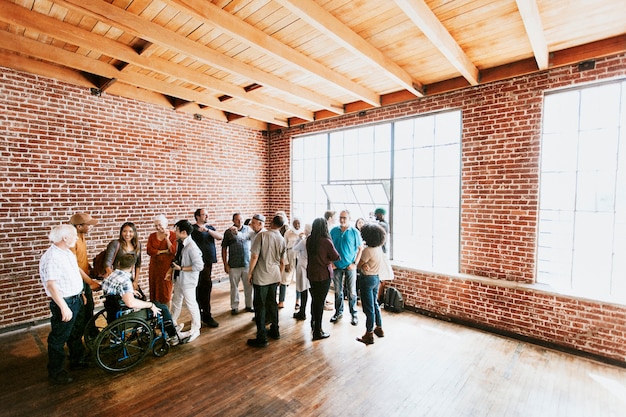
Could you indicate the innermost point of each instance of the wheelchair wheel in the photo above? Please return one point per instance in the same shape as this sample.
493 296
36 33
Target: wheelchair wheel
94 326
160 347
123 344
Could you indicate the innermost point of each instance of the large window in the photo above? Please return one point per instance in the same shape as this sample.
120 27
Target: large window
582 216
410 167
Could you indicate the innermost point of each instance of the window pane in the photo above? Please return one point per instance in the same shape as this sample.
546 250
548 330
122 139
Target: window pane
366 141
423 193
403 195
382 167
446 192
355 172
600 107
403 135
351 142
560 112
598 150
447 159
447 128
595 191
403 163
423 161
559 152
382 137
582 216
558 191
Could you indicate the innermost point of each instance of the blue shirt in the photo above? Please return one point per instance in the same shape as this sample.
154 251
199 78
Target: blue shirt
347 244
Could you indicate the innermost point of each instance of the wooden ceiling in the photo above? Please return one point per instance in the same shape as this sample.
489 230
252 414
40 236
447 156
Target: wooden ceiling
272 63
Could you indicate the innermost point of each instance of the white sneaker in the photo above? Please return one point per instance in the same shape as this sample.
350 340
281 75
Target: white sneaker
194 336
173 341
180 327
184 335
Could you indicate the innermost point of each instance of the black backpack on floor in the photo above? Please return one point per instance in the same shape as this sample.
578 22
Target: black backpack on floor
393 300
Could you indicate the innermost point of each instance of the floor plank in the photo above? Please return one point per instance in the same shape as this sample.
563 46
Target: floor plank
422 367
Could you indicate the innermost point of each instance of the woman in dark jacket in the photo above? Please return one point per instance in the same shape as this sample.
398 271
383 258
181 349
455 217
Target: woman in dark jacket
321 254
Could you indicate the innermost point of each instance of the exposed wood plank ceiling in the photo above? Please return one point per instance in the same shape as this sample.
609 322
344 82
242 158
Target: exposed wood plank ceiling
272 63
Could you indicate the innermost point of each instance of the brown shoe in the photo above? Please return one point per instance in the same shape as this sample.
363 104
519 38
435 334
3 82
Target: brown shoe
367 338
378 331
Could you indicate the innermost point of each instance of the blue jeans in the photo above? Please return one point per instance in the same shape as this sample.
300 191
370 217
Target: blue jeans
369 301
265 309
61 333
350 275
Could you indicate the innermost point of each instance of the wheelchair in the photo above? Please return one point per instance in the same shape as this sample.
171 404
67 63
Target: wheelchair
123 342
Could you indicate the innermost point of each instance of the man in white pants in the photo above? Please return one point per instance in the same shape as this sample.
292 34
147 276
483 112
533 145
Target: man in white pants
189 265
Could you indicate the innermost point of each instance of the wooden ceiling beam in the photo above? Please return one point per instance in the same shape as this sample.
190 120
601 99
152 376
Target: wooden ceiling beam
69 59
424 18
246 33
329 25
534 29
606 47
120 89
156 34
59 30
77 78
45 69
127 54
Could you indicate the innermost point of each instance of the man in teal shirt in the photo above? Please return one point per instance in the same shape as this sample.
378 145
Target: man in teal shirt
347 241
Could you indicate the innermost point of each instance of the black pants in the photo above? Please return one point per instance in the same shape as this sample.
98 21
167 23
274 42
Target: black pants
319 290
75 342
61 333
203 291
265 309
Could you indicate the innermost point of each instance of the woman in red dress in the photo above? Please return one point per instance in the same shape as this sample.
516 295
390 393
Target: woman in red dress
161 249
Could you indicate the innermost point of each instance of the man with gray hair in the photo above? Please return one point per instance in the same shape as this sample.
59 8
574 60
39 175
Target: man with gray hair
63 283
347 241
267 260
236 258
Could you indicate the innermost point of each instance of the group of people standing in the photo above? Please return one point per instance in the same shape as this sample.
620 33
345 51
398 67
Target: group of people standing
179 272
315 257
265 261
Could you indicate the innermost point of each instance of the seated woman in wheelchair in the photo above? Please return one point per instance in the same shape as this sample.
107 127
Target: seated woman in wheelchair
119 285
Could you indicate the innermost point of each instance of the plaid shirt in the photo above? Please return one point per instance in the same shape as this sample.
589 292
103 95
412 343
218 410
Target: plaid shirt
118 283
59 265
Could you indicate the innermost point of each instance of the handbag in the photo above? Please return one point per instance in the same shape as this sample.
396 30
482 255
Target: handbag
385 272
99 269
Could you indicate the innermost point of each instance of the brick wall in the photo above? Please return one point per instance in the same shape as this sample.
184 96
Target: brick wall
500 178
64 150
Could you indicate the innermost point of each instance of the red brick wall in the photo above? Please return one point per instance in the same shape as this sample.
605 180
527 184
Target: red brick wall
64 151
500 177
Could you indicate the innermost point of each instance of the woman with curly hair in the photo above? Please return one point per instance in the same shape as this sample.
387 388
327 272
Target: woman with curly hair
370 263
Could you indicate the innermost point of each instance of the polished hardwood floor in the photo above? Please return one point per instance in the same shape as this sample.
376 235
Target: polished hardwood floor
422 367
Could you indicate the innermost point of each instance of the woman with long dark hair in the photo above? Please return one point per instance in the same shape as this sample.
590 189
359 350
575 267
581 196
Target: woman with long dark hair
321 254
128 242
370 263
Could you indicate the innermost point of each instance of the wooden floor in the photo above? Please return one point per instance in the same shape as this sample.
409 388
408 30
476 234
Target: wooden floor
423 367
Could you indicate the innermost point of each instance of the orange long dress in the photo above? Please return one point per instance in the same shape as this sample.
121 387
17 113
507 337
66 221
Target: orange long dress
160 289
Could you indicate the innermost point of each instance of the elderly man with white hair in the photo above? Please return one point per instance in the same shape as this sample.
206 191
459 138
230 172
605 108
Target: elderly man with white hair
63 283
